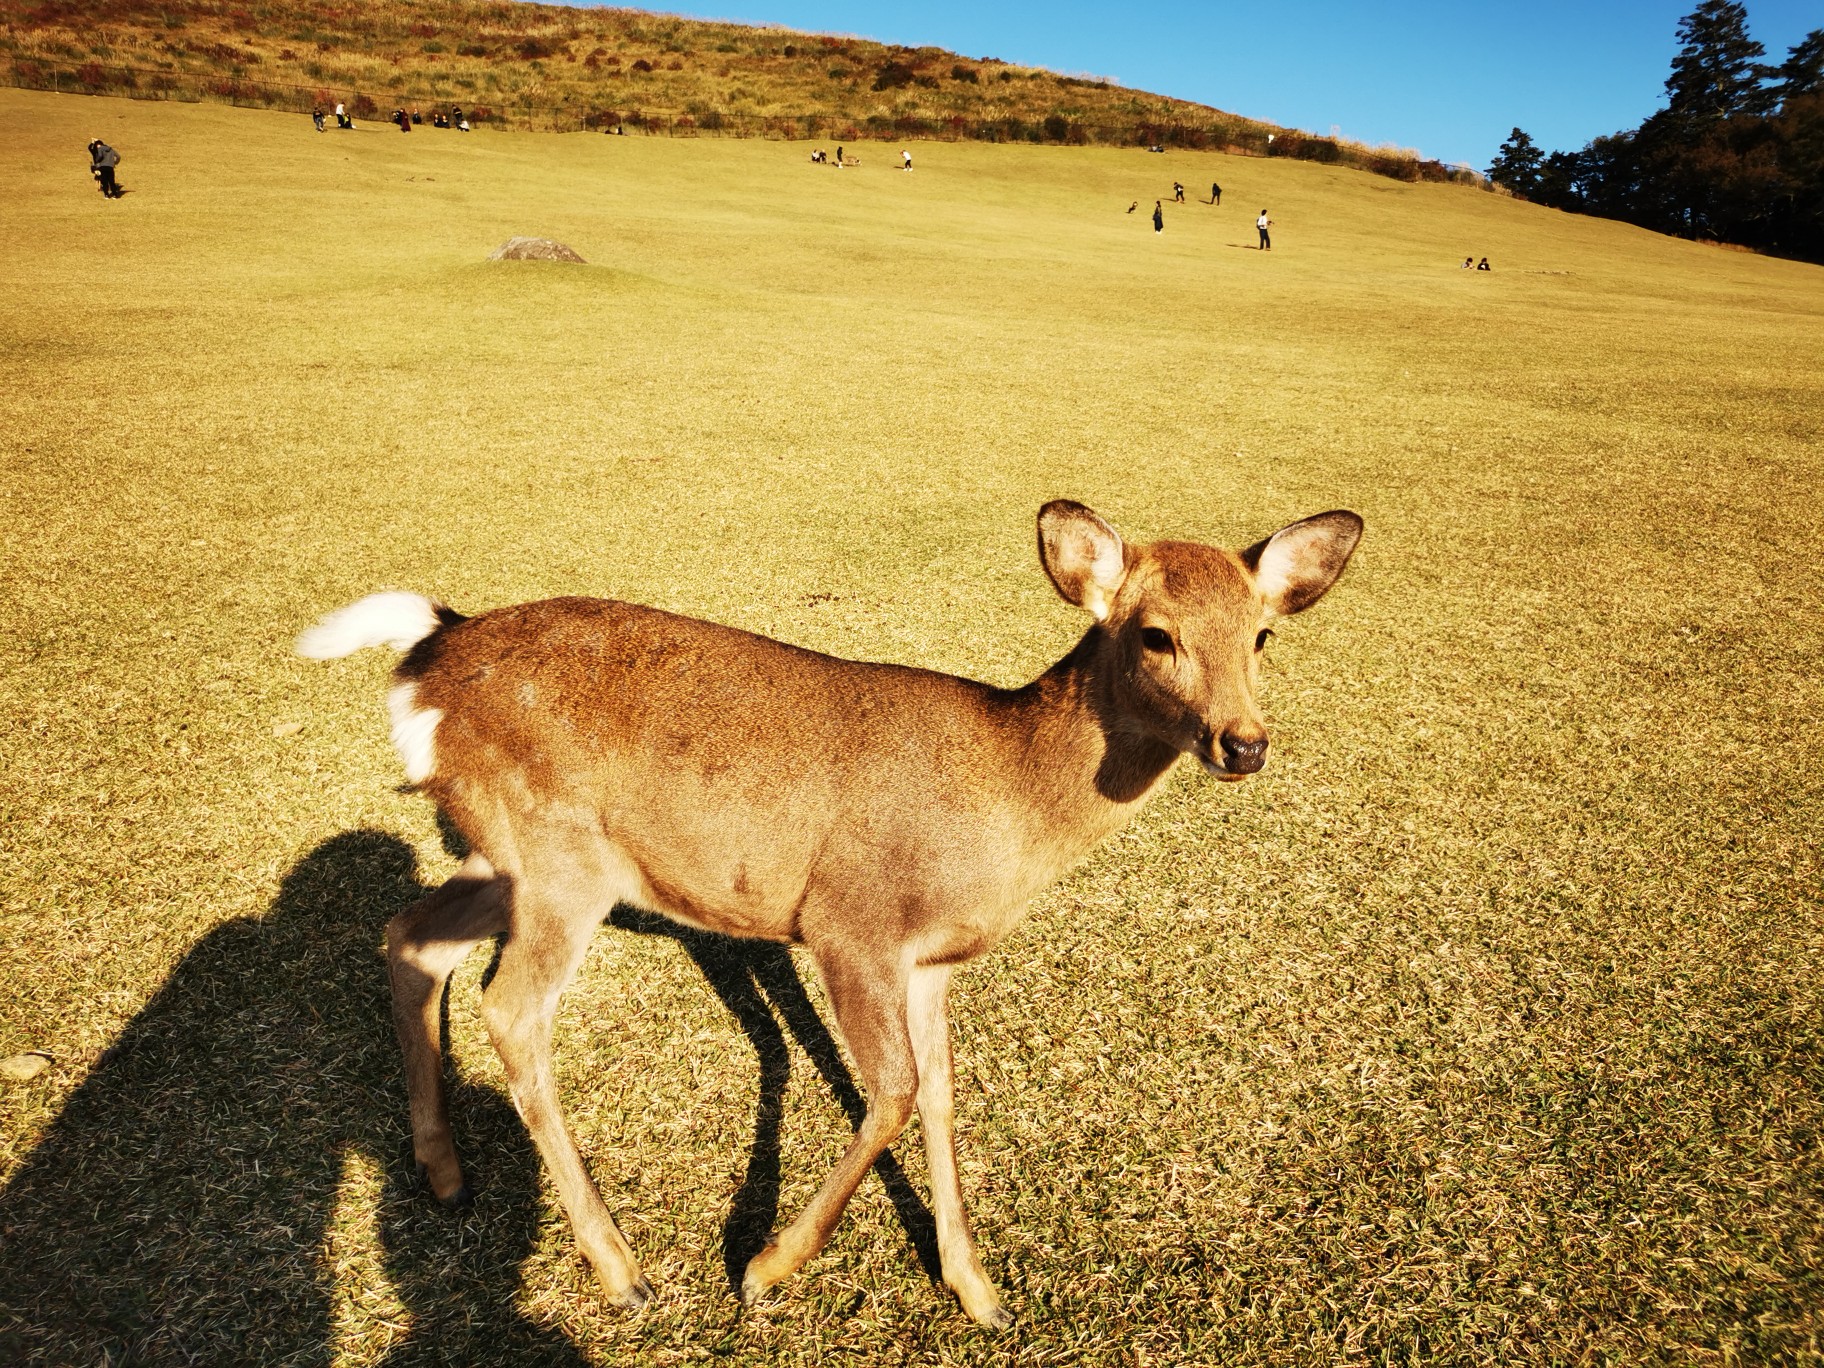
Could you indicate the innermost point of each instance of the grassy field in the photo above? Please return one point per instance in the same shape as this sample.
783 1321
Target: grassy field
1484 1027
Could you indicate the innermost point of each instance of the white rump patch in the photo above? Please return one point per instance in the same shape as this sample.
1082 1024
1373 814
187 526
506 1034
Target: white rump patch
414 731
395 619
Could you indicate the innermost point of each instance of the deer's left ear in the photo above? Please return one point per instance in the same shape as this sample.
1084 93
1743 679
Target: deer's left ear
1296 566
1082 554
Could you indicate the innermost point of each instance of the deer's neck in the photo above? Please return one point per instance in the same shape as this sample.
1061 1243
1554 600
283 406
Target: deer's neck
1090 767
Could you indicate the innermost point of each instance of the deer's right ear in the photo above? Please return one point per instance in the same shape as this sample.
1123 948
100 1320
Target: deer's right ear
1082 554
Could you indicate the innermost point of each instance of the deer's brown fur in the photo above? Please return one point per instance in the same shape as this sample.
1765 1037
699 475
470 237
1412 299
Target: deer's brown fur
893 821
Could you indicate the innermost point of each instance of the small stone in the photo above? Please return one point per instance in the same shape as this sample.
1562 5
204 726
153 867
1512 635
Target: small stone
287 728
20 1067
533 249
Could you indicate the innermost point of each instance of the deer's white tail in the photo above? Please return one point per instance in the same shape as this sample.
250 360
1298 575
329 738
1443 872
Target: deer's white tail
395 619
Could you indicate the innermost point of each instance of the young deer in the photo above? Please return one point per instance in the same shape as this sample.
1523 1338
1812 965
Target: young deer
893 821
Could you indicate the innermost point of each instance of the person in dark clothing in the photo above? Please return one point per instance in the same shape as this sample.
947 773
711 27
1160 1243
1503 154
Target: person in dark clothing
102 161
316 117
1215 193
1483 265
417 117
1177 193
1158 217
839 159
1135 205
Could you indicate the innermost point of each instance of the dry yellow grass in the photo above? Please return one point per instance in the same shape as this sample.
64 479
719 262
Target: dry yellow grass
1484 1027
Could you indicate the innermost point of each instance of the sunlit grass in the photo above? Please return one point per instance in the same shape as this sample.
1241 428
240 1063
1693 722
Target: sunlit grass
1483 1026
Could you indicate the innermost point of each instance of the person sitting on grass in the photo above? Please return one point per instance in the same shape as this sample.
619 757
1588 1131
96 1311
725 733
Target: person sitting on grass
1483 265
316 117
1468 262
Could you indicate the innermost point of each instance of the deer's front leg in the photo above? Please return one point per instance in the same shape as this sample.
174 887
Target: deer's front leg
928 1023
869 995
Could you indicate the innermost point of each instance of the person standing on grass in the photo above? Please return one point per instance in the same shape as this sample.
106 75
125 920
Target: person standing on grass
839 159
102 161
1215 193
1158 217
1177 193
1263 223
907 154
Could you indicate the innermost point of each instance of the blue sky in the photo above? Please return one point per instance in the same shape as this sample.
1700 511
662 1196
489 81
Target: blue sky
1447 79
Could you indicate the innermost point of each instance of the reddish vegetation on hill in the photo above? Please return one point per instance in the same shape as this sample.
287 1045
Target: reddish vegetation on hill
548 66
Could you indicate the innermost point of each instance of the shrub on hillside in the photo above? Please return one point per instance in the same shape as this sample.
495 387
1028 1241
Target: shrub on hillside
534 49
893 75
963 73
472 50
642 65
363 107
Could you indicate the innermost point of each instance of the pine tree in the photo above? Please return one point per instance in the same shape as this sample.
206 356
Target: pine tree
1802 73
1517 165
1716 73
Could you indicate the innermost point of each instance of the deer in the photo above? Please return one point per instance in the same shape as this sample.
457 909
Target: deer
895 822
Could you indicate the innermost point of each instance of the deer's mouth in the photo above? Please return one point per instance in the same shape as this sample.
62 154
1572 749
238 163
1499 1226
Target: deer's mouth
1215 768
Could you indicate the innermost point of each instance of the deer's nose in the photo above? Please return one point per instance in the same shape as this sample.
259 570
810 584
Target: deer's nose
1243 756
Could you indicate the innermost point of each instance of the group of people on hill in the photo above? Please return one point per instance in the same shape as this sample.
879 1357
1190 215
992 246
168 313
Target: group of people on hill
822 158
1261 224
1470 262
400 119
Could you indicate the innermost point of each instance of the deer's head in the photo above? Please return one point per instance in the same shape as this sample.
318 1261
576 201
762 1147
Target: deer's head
1183 625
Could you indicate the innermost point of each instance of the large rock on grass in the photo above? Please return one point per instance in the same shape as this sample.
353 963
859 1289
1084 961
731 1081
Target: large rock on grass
533 249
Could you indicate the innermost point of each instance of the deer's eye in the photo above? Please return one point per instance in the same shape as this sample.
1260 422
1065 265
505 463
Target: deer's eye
1260 642
1157 639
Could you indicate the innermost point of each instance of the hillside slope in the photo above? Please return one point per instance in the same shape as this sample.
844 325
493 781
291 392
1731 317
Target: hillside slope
1483 1028
556 67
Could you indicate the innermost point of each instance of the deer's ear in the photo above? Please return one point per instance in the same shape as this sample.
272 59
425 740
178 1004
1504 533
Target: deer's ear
1082 554
1295 566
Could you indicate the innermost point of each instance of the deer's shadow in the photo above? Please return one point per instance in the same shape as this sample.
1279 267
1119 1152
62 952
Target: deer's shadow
202 1193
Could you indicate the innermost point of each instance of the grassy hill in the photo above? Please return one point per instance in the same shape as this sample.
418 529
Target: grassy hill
557 67
1483 1027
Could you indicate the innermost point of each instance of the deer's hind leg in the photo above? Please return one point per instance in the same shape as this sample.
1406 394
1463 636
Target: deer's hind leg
549 938
424 944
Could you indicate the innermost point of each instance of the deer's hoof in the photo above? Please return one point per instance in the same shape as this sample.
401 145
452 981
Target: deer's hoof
754 1283
459 1200
996 1317
634 1296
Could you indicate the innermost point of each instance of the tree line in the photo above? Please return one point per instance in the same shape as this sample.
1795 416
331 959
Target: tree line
1737 154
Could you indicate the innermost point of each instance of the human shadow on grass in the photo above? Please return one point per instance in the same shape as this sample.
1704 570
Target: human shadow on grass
187 1204
748 976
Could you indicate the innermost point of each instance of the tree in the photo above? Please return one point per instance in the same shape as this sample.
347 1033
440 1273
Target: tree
1802 73
1715 73
1517 165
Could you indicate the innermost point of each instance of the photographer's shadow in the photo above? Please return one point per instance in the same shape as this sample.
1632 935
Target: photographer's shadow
187 1203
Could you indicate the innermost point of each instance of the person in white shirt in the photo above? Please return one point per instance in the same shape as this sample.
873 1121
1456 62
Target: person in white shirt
907 154
1263 223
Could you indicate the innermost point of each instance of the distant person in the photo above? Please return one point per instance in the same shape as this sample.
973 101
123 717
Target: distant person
1215 193
1177 193
342 119
1468 262
456 114
839 159
417 118
907 154
102 161
1483 265
1263 223
463 124
1158 217
1135 205
316 117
